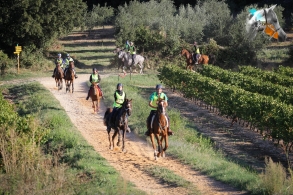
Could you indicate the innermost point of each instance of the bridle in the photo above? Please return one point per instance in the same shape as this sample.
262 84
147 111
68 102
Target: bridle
267 25
163 112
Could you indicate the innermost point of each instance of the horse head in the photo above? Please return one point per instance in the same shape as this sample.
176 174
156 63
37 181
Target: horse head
117 50
259 20
121 54
71 64
127 106
184 52
161 106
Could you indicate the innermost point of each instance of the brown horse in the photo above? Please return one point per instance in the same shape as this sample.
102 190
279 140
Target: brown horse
69 77
120 123
203 59
159 130
95 94
58 77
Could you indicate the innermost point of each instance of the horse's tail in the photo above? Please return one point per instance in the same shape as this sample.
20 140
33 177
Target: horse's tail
212 59
147 62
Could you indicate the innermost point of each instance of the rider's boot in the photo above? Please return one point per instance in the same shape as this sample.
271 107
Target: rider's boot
54 73
147 133
169 131
88 95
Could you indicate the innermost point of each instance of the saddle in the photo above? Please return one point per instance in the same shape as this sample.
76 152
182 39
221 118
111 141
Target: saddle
96 90
152 121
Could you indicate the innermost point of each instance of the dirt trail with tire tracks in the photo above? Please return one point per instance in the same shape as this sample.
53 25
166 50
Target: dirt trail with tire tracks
139 154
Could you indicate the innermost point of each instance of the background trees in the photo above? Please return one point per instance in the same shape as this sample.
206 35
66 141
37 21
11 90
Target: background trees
34 23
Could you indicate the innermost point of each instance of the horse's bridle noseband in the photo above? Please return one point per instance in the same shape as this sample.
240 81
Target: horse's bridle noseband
275 30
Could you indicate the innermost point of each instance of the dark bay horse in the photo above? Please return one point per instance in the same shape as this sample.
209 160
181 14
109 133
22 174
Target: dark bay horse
95 94
159 130
203 59
69 77
58 77
120 123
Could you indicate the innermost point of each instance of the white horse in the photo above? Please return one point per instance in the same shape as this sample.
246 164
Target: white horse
128 61
264 20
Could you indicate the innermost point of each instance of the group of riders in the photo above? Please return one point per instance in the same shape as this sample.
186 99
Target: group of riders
119 94
120 97
129 47
64 64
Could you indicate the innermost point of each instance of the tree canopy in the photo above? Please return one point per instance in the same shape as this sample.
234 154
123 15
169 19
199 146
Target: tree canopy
35 23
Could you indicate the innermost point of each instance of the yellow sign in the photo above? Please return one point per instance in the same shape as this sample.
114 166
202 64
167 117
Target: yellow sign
16 52
18 48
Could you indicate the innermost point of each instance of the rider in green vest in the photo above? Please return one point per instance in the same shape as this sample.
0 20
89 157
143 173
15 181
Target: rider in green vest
127 45
66 62
59 60
95 78
196 53
119 98
153 104
132 51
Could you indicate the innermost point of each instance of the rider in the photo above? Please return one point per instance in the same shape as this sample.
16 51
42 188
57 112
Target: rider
196 52
66 62
119 98
153 104
132 50
59 60
127 45
95 78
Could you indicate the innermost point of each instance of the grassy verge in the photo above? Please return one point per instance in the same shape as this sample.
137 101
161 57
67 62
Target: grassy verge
71 166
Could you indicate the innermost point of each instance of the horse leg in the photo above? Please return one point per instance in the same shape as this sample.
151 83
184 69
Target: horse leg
98 104
94 106
141 67
109 137
160 147
123 139
113 137
165 138
119 136
66 84
72 86
154 145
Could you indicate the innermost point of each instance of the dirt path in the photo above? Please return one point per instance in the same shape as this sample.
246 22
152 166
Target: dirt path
139 153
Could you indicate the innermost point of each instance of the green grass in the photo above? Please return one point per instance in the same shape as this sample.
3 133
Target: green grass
65 141
167 176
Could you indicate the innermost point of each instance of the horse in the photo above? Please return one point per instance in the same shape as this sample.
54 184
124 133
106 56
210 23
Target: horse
120 123
58 77
120 60
128 61
95 94
69 77
266 21
159 130
203 59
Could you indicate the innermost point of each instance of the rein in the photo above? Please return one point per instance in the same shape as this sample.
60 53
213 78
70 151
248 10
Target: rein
267 25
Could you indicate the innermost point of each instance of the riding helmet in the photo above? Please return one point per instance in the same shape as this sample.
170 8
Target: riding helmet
68 55
159 86
119 85
95 69
59 54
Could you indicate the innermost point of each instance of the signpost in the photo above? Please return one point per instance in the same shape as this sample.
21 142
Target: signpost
18 49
